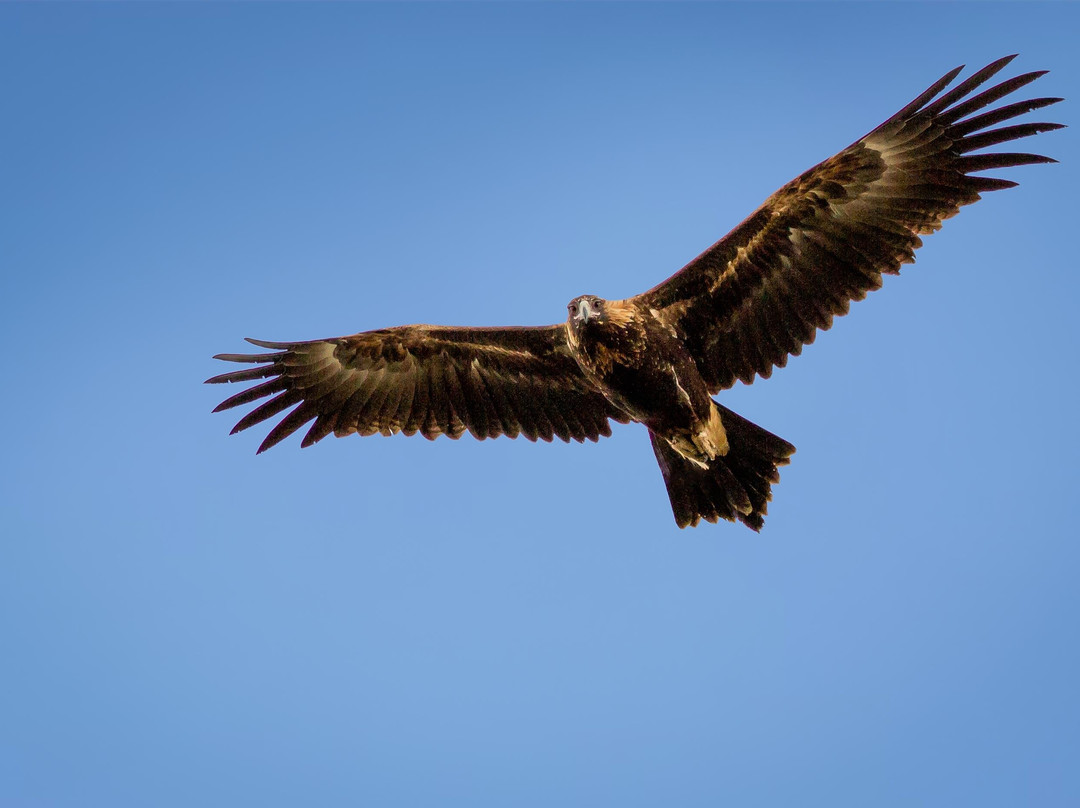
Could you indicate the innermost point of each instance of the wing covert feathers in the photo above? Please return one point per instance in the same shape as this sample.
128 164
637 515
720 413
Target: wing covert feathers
426 379
826 238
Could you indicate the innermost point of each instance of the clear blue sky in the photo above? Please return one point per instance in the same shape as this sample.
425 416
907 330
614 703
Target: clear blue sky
393 622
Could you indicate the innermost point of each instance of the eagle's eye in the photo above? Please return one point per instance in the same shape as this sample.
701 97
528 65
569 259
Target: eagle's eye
573 308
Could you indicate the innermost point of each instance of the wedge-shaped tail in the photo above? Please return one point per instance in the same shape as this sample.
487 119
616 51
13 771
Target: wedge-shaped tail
735 486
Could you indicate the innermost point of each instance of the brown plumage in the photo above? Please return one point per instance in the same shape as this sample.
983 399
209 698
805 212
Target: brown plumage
733 313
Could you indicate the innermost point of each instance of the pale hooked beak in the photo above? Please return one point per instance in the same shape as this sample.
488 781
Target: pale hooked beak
584 311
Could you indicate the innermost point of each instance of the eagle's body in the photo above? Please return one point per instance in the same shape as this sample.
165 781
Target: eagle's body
646 371
735 312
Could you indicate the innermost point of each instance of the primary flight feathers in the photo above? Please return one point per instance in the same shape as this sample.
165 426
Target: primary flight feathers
428 379
734 312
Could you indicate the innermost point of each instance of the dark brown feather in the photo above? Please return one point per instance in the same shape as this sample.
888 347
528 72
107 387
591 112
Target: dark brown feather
826 238
489 381
735 312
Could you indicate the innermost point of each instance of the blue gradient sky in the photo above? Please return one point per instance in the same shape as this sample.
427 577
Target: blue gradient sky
393 622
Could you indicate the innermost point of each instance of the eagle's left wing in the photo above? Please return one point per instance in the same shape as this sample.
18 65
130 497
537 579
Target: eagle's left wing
824 239
434 380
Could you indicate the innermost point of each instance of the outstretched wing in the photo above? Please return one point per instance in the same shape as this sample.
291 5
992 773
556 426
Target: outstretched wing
426 379
824 239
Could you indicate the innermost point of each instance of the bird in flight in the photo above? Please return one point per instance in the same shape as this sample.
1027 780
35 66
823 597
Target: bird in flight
735 312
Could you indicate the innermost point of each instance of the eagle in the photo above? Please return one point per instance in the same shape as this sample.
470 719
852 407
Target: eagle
735 312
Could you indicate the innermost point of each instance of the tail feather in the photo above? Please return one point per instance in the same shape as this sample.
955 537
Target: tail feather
737 485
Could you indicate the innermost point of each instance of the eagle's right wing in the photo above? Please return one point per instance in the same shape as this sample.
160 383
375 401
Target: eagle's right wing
421 378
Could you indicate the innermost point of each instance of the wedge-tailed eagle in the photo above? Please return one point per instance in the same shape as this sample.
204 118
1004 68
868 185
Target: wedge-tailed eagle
733 313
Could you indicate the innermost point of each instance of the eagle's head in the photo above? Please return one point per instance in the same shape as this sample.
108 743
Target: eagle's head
585 310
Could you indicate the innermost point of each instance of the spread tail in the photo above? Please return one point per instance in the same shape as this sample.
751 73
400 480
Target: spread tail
734 486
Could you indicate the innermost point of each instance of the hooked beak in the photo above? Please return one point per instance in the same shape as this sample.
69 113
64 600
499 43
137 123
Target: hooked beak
584 311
